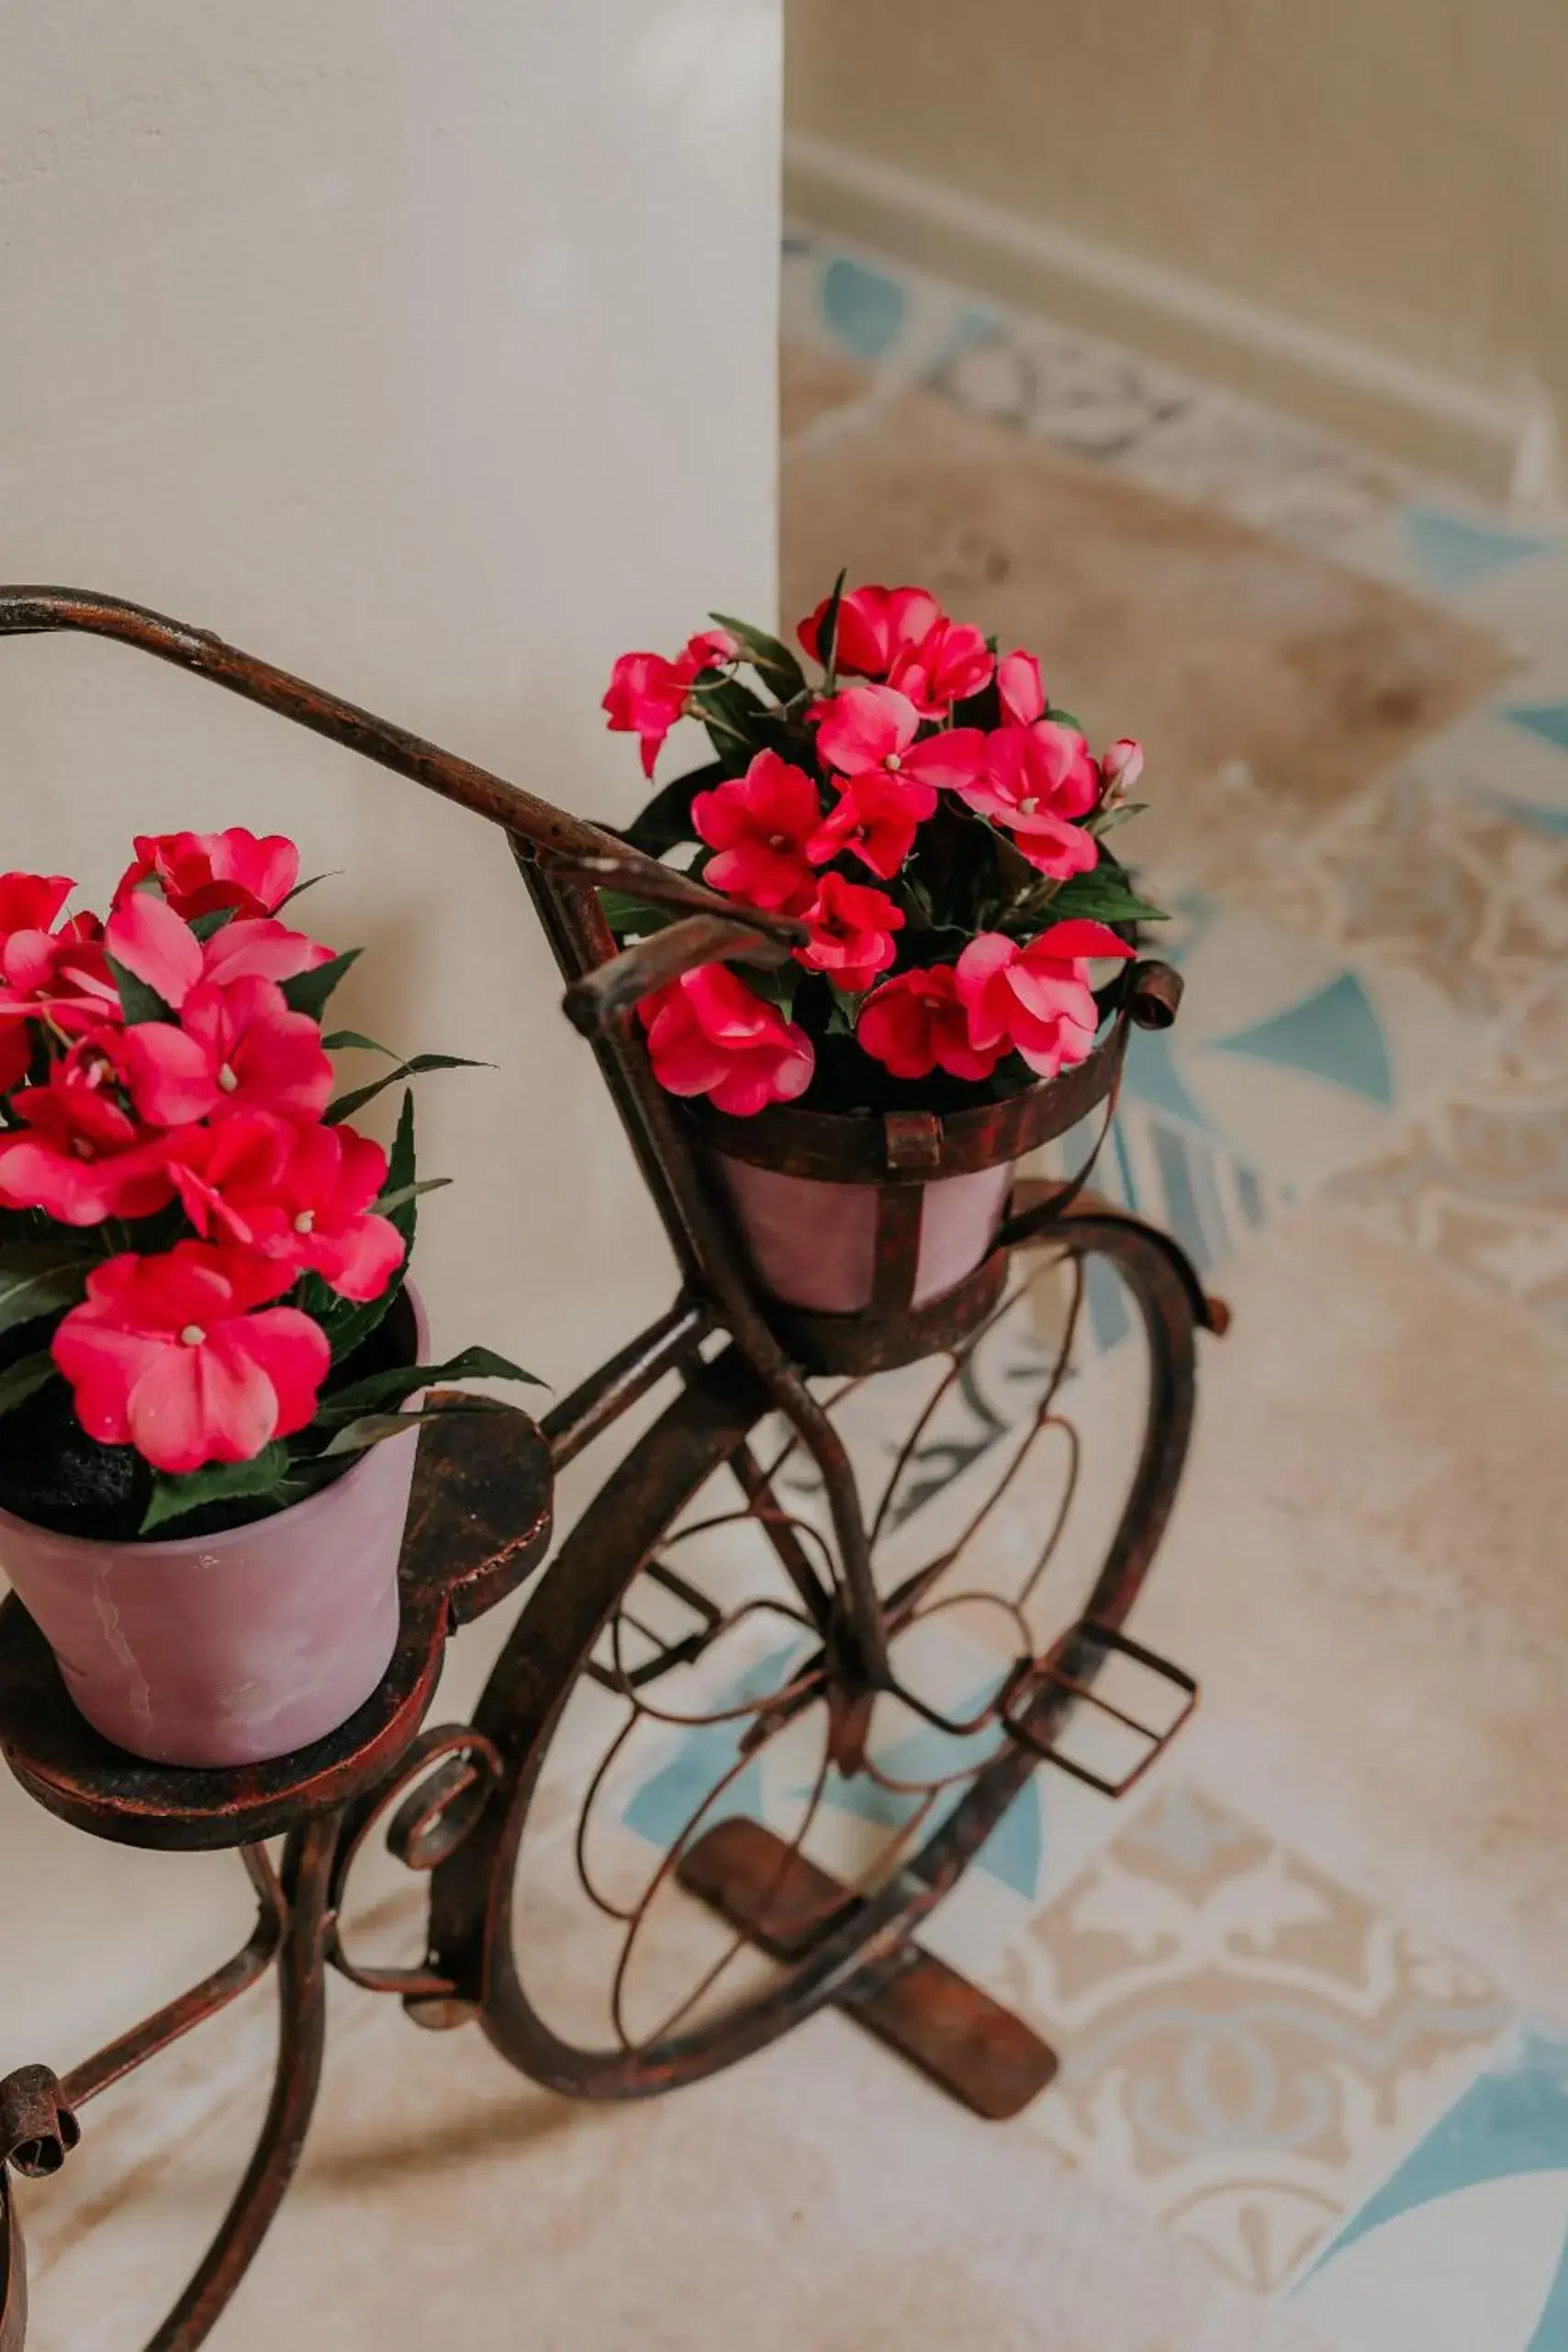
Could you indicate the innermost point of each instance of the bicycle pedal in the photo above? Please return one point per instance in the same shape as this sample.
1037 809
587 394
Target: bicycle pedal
665 1654
1061 1674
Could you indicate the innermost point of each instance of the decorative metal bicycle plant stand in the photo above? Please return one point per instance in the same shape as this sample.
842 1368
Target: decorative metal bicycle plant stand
742 1607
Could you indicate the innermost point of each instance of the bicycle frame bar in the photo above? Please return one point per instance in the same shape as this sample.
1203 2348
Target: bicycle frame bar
565 860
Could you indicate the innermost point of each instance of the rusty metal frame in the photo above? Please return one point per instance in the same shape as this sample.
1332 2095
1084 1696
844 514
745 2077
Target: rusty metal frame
481 1521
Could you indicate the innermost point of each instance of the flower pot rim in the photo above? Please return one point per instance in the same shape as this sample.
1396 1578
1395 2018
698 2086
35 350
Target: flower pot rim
912 1147
294 1514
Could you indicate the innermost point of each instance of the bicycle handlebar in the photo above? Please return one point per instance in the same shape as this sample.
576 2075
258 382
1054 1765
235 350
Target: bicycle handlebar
552 832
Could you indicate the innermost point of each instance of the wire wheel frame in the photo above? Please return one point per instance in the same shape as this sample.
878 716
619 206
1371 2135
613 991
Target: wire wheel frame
662 1507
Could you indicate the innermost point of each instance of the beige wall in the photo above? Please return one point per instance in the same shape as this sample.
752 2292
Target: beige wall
429 350
1388 173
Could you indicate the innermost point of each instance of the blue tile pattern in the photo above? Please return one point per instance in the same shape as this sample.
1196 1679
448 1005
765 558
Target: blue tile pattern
1332 1034
1547 720
864 308
1453 552
1465 2248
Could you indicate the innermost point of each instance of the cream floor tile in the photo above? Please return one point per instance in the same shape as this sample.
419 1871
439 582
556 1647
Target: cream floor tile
1365 1568
1248 2046
1213 642
1481 1180
822 2196
1408 873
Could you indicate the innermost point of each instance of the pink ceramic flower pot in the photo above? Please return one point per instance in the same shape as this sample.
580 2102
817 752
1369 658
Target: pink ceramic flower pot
813 1244
232 1648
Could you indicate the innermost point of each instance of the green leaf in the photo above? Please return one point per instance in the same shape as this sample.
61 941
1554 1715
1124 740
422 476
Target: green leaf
827 636
735 718
138 1002
220 1482
1102 897
343 1040
912 896
1064 719
347 1104
384 1389
373 1428
401 1169
19 1381
1108 819
391 1201
666 822
308 884
40 1278
778 985
206 926
25 1225
773 662
632 918
308 991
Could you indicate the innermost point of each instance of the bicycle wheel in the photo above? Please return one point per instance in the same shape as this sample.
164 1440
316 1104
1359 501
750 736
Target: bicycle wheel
1016 1488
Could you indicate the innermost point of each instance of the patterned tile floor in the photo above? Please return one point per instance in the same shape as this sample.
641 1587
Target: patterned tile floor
1341 2110
1299 1982
1402 1025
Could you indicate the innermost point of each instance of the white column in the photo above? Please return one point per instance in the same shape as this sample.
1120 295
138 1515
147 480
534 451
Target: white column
429 351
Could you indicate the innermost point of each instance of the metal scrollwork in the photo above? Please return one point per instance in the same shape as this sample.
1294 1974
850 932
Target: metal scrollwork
441 1810
37 2130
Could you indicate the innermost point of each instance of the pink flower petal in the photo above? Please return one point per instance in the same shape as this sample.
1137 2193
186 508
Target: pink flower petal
257 947
863 727
987 954
1046 993
1021 688
691 1064
169 1074
359 1259
949 760
148 937
1054 848
291 1349
31 902
103 1364
1079 936
197 1405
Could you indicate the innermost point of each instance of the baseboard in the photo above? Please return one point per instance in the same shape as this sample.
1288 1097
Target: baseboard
1502 443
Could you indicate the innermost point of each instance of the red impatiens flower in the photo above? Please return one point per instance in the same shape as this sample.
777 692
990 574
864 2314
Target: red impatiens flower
875 626
951 662
647 694
59 975
760 823
1035 1000
914 1024
1021 688
150 940
875 818
871 731
1035 780
301 1196
167 1355
200 872
236 1048
902 635
709 1034
31 902
852 929
82 1158
1120 770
